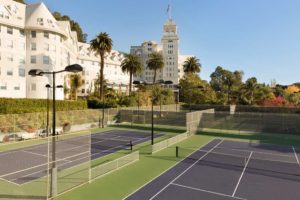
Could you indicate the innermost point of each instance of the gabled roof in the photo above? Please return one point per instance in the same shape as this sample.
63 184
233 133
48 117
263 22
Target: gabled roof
39 17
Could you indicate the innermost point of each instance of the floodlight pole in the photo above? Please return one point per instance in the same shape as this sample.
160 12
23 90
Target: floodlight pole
36 72
102 120
152 119
53 190
177 100
138 93
48 94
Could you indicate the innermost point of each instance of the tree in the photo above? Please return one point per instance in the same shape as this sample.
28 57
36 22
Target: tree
263 92
193 90
162 95
155 62
248 90
226 82
102 44
76 82
132 65
192 65
81 36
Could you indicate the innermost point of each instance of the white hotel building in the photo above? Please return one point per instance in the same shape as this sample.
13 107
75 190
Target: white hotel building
169 48
31 38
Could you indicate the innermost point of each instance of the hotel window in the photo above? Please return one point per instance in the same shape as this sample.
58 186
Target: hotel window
53 48
33 87
46 47
9 30
46 60
40 21
10 57
3 86
22 72
9 72
10 44
33 46
17 87
46 35
33 59
33 34
22 46
53 61
22 33
22 60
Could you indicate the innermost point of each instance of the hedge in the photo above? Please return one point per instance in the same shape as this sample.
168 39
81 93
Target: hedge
17 106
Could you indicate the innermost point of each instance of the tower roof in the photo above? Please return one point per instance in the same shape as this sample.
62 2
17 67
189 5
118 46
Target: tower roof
170 27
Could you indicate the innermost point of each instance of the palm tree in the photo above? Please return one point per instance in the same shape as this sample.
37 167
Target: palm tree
132 65
249 88
101 44
155 62
192 65
76 82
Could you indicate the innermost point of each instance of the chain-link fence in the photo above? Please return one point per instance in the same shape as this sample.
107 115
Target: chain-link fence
252 122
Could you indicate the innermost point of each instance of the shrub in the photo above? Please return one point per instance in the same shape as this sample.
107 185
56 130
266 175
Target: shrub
66 126
18 106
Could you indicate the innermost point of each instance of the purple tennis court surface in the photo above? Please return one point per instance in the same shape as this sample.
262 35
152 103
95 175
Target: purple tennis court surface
228 170
26 164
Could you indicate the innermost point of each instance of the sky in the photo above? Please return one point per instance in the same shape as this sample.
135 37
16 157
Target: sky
259 37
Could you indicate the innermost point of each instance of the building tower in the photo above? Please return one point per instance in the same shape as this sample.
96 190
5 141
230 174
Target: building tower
170 51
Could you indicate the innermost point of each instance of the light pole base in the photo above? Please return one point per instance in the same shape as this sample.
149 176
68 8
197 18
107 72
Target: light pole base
53 190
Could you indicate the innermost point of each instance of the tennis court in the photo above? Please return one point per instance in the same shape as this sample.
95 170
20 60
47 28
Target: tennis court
228 170
26 164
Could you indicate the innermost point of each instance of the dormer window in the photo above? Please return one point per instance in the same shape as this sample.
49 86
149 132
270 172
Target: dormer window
14 8
40 21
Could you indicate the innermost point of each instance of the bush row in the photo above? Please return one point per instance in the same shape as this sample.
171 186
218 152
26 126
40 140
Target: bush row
17 106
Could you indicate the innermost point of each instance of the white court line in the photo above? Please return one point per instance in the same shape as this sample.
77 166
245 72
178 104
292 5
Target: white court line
186 170
259 152
207 191
262 159
156 177
296 156
68 161
37 154
238 183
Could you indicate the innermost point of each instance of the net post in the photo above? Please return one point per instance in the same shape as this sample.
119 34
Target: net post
177 151
131 146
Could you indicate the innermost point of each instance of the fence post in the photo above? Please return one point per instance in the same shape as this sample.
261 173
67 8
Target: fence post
14 122
177 152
